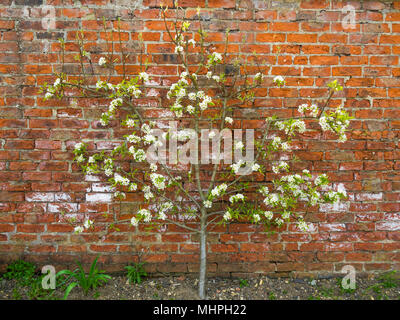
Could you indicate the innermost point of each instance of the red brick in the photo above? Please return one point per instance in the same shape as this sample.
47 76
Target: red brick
306 44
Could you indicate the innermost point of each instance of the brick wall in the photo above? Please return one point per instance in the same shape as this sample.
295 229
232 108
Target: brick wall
38 179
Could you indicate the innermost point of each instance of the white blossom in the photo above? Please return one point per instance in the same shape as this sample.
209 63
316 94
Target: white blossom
185 134
145 214
324 124
78 146
88 223
216 78
207 204
119 194
236 166
78 229
258 76
341 189
146 128
192 42
190 109
140 155
285 146
102 61
200 94
48 95
219 190
279 80
80 158
108 172
149 139
228 120
239 145
342 138
269 215
130 123
144 76
178 49
264 190
134 221
227 216
282 165
303 226
158 180
133 187
132 138
192 96
121 180
236 198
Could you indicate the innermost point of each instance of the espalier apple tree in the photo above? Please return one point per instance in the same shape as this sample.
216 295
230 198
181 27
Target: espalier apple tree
196 193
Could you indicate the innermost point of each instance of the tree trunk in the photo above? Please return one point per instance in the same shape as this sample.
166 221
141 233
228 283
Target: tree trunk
203 257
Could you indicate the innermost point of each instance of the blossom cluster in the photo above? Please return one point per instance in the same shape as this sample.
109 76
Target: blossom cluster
86 225
336 121
218 191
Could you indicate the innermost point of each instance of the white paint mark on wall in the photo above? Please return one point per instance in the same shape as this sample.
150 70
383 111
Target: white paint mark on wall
153 93
333 226
388 225
91 178
39 197
99 197
62 197
336 207
66 207
369 196
101 187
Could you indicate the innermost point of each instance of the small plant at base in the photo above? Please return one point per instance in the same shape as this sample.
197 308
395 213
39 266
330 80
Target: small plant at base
311 297
271 296
22 271
16 294
388 280
94 279
25 274
326 292
136 272
37 292
377 288
243 283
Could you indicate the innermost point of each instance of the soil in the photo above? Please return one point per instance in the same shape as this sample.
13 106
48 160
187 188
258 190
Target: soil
184 288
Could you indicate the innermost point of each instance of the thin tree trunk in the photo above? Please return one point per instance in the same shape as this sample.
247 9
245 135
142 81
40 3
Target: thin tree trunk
203 256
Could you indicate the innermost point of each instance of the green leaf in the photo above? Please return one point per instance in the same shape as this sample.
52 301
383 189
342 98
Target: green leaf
70 287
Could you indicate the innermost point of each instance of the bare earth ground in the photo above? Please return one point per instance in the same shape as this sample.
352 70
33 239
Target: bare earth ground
263 288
